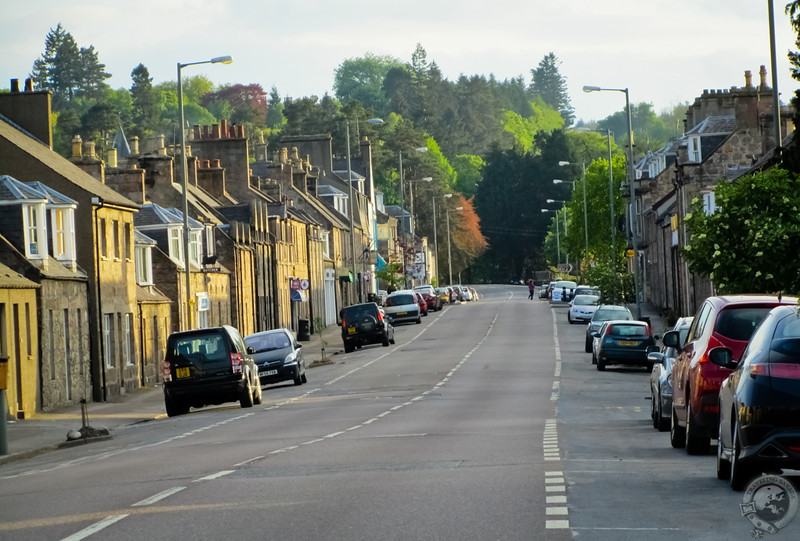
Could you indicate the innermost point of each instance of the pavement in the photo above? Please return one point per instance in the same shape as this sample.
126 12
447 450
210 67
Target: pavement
47 431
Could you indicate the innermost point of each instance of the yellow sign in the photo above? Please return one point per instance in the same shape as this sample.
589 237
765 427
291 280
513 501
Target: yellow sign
630 253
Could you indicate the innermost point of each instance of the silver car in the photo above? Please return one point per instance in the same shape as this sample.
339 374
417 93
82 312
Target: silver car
402 306
660 382
582 308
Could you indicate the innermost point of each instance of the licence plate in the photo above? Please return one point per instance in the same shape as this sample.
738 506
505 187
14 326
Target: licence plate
401 313
182 372
267 373
351 330
628 343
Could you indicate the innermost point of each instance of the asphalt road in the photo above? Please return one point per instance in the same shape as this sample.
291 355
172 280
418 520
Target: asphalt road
485 422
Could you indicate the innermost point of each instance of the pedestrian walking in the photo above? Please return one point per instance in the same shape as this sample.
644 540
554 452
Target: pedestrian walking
531 288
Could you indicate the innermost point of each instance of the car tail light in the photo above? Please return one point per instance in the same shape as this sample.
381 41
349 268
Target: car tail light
167 371
380 315
344 323
777 370
711 408
236 362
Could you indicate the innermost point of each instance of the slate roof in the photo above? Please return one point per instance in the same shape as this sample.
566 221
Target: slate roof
12 189
140 239
153 214
54 197
11 279
715 125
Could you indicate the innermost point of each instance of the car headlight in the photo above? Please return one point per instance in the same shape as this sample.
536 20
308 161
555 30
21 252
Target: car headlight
290 359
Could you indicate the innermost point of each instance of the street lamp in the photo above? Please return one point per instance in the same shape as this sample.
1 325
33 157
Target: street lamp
585 207
449 254
630 175
353 268
185 185
558 234
402 214
435 237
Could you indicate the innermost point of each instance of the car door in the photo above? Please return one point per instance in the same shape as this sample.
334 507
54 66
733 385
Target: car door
681 368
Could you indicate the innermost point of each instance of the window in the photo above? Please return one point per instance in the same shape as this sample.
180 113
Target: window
101 233
326 243
695 152
126 241
115 240
211 248
194 247
144 265
709 203
175 251
35 231
108 339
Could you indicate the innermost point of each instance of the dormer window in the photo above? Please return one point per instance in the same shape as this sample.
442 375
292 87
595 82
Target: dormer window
35 231
176 244
62 222
695 152
195 244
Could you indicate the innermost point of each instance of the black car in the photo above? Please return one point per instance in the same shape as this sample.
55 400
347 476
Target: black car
759 403
604 313
365 324
208 366
623 342
278 356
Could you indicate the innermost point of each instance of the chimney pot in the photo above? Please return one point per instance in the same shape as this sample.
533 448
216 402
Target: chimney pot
748 79
223 128
28 85
15 85
77 147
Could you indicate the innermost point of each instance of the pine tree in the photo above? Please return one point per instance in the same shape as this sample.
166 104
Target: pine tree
146 102
548 83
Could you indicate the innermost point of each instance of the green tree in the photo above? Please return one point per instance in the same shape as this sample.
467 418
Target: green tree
548 83
147 102
361 79
275 118
749 243
469 172
524 130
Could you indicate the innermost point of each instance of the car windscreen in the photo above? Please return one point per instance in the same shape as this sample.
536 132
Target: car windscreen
586 300
200 349
267 341
623 330
604 314
358 313
739 323
398 300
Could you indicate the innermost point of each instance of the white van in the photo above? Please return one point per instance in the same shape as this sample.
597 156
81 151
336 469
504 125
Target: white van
562 291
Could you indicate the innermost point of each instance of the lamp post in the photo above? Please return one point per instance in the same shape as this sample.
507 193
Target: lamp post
558 234
351 195
402 213
609 134
585 207
449 254
435 237
630 175
185 185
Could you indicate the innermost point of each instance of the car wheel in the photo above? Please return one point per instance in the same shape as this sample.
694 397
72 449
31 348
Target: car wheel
391 340
594 358
298 380
304 378
419 320
723 465
677 433
588 345
663 424
740 473
174 407
601 366
246 398
258 398
696 443
385 342
348 347
569 318
654 409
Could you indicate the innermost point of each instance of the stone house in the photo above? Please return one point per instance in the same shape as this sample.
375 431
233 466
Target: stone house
104 229
38 242
726 132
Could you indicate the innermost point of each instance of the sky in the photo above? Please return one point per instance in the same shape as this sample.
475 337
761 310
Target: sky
666 52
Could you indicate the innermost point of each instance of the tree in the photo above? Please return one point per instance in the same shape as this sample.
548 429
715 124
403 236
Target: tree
469 172
275 118
361 79
750 241
66 70
147 103
551 86
524 130
248 103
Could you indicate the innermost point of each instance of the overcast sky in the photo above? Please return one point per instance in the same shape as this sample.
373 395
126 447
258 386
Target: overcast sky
665 51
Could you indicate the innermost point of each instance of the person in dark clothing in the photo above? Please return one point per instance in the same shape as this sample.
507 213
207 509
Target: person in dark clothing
531 288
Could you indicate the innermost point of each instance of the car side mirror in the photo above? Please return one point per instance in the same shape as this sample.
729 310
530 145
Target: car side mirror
655 356
722 356
652 349
298 345
250 350
672 339
594 334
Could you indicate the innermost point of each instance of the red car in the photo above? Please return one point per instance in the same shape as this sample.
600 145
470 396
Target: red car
433 301
423 305
727 321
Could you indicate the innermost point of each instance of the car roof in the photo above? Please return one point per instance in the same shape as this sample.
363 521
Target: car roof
725 300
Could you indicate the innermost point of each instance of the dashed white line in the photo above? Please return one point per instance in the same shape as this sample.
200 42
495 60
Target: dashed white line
158 497
214 476
94 528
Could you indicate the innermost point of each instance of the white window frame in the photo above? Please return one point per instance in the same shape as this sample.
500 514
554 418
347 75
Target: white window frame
144 265
195 247
709 203
35 230
325 237
63 233
176 243
128 344
695 150
108 339
211 248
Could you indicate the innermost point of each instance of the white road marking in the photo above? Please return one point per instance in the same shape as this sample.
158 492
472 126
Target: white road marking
94 528
214 476
158 497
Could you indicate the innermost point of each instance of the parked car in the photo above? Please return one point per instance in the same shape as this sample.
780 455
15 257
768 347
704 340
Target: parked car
582 308
423 305
603 313
544 291
473 293
365 324
721 321
434 303
208 366
660 382
278 356
402 306
444 294
759 403
623 342
586 290
562 291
